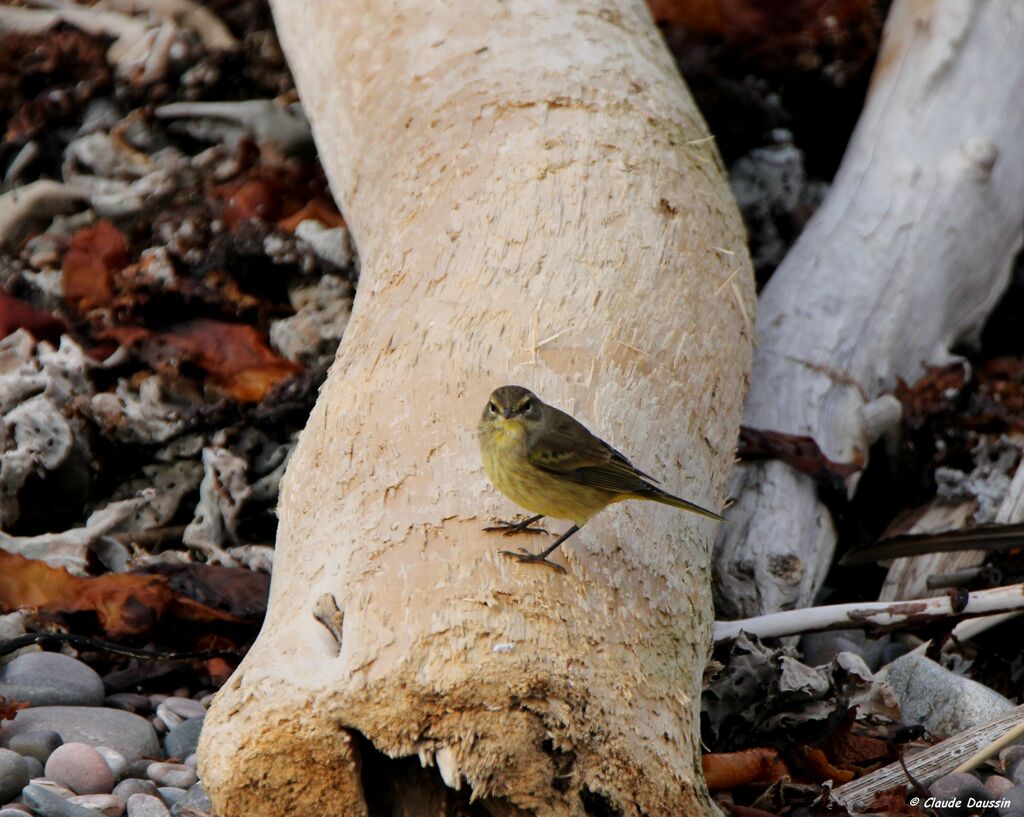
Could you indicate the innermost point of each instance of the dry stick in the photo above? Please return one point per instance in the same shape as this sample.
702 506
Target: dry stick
994 747
932 763
873 617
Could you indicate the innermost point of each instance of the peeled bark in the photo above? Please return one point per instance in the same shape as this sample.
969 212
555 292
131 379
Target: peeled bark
535 200
907 255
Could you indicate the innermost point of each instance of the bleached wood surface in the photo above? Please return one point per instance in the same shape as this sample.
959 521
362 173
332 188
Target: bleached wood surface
907 255
535 200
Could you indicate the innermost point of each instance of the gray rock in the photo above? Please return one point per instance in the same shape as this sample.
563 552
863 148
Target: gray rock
13 774
185 708
135 785
109 805
170 719
182 740
81 768
958 788
821 648
39 745
195 803
35 768
171 794
997 785
138 768
115 760
172 774
52 786
51 679
47 804
10 811
130 702
1015 797
127 733
938 699
145 805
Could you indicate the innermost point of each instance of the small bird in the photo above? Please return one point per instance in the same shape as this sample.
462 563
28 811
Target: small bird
549 463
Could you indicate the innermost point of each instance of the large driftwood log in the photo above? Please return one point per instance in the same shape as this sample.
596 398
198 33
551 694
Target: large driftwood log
907 255
535 200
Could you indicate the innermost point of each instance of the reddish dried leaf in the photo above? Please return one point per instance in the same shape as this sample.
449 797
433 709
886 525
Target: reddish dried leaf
95 254
820 767
47 79
727 770
8 709
799 452
319 210
272 193
219 670
893 802
238 591
17 314
852 746
235 356
124 603
770 25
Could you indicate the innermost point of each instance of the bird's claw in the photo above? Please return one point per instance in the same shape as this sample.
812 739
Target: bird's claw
512 528
526 557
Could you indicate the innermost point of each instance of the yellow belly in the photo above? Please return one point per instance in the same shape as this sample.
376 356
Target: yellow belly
536 490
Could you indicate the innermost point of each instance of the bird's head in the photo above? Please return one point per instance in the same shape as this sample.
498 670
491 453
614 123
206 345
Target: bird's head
512 410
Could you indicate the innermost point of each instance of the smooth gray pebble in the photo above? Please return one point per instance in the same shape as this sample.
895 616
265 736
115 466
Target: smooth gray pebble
146 805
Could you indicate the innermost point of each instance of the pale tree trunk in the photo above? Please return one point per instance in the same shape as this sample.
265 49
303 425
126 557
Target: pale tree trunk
535 200
907 255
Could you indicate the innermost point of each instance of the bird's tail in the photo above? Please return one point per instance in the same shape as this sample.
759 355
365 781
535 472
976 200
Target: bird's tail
666 498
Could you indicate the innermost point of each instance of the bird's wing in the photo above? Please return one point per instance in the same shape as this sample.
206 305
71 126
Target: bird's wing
568 449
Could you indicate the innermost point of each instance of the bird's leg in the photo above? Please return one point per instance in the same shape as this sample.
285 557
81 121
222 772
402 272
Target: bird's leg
512 528
542 557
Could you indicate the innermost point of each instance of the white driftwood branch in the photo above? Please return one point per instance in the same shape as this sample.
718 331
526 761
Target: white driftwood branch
908 576
535 200
874 616
931 763
907 255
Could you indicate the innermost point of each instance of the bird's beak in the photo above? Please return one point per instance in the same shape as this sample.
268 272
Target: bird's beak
506 413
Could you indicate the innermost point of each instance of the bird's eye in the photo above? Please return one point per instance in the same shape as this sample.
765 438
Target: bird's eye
493 409
527 406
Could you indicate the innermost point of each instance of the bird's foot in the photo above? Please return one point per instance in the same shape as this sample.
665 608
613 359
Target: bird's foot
512 528
532 558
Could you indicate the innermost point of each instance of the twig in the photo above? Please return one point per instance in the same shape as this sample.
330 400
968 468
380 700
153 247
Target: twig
874 617
14 644
928 764
993 748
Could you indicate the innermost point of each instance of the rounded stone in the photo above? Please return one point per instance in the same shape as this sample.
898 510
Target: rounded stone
138 768
1014 799
35 768
81 768
39 745
958 787
171 774
167 717
146 805
997 785
185 707
130 702
195 802
10 811
125 732
115 760
182 740
49 804
51 679
171 795
14 775
135 785
109 805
